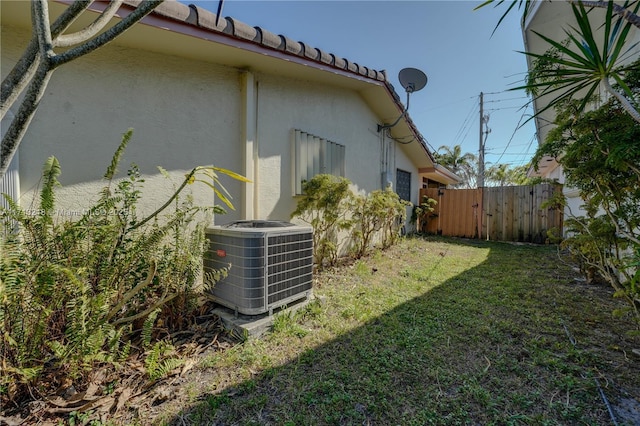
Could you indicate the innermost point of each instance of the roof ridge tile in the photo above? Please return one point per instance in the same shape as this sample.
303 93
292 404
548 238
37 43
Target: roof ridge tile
291 45
205 19
270 39
242 30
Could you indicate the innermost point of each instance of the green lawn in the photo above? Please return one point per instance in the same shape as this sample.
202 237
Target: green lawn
435 331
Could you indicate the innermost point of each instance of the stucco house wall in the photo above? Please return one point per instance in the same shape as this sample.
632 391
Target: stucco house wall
229 107
184 113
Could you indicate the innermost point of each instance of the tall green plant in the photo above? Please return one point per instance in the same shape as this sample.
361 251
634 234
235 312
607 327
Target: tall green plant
76 292
464 165
325 206
577 67
394 218
600 154
421 213
370 215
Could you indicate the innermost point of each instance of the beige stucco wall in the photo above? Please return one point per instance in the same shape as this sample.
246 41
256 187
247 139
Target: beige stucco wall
187 113
327 112
183 113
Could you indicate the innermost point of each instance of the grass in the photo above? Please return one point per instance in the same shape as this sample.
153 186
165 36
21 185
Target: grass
435 331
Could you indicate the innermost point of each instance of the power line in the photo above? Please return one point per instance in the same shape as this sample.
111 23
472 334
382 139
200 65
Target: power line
533 138
504 100
513 134
466 125
504 108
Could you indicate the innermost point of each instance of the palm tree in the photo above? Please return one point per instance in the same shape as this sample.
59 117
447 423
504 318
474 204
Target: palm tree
498 174
580 65
464 165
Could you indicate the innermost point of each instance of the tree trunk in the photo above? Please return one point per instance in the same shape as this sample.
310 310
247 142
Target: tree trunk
21 121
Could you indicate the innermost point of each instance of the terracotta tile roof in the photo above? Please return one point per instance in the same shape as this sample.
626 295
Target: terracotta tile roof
206 19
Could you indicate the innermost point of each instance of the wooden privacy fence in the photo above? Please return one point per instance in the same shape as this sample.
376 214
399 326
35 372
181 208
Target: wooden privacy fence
507 213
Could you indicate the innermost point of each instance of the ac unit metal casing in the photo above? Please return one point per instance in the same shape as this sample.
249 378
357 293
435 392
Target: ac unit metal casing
271 264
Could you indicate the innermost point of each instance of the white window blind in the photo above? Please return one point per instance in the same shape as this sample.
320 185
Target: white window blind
315 155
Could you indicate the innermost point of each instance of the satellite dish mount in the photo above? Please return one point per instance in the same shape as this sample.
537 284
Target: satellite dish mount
412 80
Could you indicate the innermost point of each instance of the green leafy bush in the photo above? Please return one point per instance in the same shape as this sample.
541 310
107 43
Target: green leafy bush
379 212
599 151
330 207
421 213
325 206
395 217
77 292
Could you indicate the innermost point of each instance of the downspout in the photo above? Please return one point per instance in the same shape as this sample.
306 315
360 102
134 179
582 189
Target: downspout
385 152
250 147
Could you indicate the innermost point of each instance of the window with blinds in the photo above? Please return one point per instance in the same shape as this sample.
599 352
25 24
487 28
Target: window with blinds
313 156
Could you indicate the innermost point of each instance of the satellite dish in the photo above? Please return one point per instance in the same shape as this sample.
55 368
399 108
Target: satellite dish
412 79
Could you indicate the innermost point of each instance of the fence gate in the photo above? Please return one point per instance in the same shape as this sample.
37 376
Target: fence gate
508 213
456 214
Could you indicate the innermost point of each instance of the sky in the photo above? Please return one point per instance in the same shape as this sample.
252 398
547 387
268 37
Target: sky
449 41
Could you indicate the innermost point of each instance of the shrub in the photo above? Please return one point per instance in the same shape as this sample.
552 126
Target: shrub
376 212
421 213
330 207
599 151
76 292
325 205
395 215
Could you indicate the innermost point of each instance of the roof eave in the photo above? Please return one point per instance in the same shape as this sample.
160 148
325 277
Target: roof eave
441 174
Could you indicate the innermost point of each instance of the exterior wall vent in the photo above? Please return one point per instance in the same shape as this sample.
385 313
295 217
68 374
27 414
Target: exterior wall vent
271 264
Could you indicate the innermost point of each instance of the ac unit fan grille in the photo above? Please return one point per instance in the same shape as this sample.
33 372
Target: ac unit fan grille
290 265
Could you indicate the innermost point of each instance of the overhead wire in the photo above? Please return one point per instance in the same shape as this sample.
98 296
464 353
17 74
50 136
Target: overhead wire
504 100
524 157
465 124
464 130
524 110
400 140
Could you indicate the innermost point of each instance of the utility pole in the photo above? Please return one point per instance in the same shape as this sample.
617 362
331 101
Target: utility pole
481 149
484 133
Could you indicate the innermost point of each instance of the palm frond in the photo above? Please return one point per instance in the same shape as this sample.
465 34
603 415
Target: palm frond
524 5
576 67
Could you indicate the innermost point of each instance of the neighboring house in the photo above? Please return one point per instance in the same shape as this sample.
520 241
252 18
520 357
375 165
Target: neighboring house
232 95
552 18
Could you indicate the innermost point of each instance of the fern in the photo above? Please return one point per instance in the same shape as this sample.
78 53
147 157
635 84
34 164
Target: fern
50 176
115 160
73 291
10 216
159 363
147 328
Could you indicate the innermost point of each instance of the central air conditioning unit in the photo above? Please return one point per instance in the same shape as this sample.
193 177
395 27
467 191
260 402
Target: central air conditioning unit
271 264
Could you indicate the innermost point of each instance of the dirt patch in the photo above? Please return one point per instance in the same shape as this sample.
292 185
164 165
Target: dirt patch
127 394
